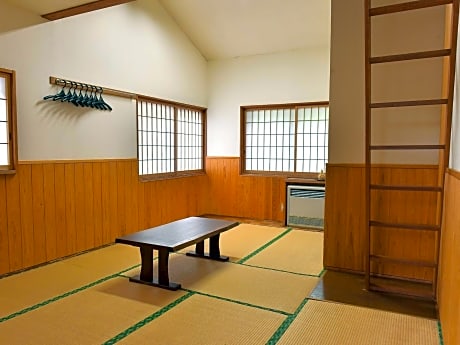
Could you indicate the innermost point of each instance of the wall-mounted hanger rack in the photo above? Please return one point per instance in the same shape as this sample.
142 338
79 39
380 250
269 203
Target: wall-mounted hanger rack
105 90
83 94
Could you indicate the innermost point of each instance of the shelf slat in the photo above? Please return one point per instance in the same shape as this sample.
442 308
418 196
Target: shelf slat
398 290
425 227
410 56
407 6
416 103
407 188
391 260
407 147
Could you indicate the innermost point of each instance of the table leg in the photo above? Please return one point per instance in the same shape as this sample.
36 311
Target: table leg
146 264
146 275
214 250
199 248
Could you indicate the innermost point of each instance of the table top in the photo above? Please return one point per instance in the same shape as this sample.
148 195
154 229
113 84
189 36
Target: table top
179 234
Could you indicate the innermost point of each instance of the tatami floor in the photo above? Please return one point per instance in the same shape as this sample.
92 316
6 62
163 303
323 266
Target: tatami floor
264 295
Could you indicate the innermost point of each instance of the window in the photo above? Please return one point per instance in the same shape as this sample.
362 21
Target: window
8 153
171 139
287 139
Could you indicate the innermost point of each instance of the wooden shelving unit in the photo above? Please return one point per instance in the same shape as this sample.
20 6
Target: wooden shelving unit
403 284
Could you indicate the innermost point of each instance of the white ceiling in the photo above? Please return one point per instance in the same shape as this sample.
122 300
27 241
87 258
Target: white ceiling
231 28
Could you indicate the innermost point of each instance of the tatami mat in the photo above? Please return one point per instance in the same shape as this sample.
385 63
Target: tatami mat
266 288
244 239
89 317
201 320
326 323
37 285
298 251
108 260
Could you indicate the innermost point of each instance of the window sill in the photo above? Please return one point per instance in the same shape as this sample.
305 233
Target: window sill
160 177
309 176
7 172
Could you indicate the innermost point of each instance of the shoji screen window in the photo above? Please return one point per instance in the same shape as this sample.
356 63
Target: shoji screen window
170 139
7 122
287 139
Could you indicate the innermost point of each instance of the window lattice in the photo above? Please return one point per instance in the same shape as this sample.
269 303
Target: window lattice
170 138
4 144
286 139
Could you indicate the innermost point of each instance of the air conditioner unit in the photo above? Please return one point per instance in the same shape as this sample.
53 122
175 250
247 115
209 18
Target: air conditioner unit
305 206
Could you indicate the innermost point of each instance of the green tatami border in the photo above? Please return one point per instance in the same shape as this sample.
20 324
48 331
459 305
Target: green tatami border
269 243
285 313
64 295
147 320
285 325
441 339
282 271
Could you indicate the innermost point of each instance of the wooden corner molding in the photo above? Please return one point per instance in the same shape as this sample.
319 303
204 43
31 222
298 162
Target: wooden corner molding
454 173
91 6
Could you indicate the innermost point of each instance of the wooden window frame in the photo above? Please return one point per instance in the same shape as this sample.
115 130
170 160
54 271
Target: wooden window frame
10 77
176 106
293 106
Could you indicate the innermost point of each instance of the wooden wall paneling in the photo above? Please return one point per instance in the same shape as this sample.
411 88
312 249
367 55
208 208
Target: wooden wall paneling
121 192
105 204
211 176
80 222
257 202
215 197
173 197
232 194
149 204
244 194
404 207
162 201
13 210
27 221
157 208
97 204
4 250
344 230
113 201
38 204
62 241
89 205
141 211
225 195
49 200
449 273
129 197
73 224
277 199
134 205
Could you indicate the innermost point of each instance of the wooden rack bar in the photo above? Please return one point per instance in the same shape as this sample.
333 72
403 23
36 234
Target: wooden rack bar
409 103
407 147
407 6
407 188
420 263
405 226
105 90
410 56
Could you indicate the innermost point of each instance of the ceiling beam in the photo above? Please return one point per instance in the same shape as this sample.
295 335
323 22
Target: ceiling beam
92 6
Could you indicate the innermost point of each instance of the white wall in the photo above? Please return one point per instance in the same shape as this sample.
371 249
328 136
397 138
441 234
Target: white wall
135 47
393 34
455 142
293 76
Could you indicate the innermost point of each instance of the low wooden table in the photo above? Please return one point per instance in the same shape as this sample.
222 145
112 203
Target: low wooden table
172 237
